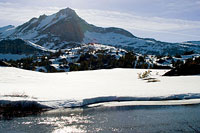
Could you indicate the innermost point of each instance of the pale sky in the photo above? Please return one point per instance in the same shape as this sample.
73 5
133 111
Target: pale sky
165 20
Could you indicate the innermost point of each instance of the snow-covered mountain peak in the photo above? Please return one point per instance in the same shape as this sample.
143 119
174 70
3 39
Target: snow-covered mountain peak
43 21
67 11
65 28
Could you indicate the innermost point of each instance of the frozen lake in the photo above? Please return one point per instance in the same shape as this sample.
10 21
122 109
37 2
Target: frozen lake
110 119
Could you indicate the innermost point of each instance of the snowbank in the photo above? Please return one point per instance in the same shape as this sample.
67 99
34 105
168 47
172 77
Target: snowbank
76 89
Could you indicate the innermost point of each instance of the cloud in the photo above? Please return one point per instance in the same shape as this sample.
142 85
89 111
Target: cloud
132 21
164 29
17 14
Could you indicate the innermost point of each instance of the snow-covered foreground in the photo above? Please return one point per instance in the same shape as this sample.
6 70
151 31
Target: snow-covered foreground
75 89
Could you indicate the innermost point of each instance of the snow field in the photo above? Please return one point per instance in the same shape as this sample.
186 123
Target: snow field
75 89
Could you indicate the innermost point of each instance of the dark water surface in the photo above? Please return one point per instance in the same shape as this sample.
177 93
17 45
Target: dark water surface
109 119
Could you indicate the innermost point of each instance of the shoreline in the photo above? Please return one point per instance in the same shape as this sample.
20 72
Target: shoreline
8 112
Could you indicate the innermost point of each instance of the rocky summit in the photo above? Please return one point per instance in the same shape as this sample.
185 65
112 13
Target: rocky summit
65 29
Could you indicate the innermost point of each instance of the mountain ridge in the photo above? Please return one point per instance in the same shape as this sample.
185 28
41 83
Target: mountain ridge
65 29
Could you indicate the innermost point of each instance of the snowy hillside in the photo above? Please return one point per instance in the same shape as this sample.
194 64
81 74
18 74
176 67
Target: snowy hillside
65 29
6 28
193 42
90 56
140 45
73 55
76 89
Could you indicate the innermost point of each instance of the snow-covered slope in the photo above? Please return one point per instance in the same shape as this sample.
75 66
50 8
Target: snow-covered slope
193 42
6 28
73 55
6 31
140 45
38 46
84 88
65 28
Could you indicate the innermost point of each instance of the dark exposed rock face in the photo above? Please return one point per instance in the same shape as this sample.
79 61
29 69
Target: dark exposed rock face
68 26
67 31
65 24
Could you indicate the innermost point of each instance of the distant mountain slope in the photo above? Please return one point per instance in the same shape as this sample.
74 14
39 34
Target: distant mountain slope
66 29
17 46
193 42
6 28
